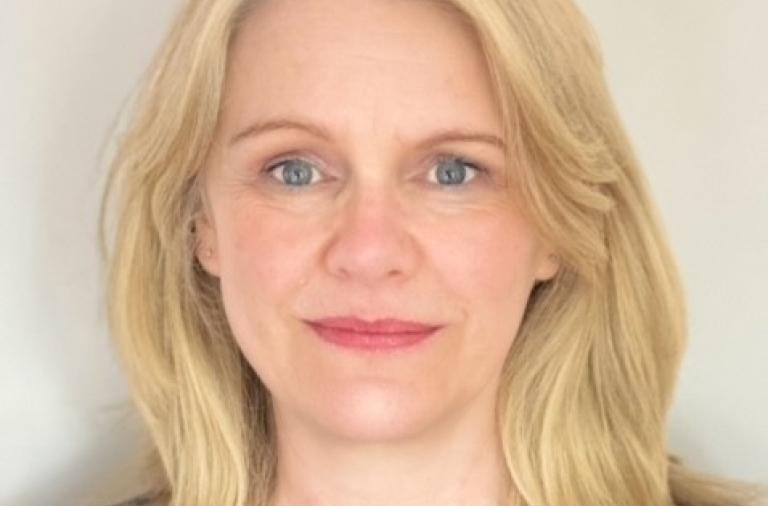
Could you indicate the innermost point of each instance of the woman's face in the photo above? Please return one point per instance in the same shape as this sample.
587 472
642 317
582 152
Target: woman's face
386 199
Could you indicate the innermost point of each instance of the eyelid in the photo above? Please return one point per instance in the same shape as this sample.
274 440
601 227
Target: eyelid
462 159
289 157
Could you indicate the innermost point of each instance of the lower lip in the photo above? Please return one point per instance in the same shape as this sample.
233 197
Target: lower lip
371 342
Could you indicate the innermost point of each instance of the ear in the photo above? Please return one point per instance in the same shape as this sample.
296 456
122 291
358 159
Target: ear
206 249
548 264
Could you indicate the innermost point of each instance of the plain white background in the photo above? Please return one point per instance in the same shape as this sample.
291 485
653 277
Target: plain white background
689 77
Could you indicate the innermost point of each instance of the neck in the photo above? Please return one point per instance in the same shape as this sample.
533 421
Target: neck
459 463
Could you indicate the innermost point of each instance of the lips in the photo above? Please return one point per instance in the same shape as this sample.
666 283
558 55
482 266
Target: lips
386 334
381 326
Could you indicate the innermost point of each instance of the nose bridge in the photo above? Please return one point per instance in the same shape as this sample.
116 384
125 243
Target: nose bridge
374 176
370 199
370 240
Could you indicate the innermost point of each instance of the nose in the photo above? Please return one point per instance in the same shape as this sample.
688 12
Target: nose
370 243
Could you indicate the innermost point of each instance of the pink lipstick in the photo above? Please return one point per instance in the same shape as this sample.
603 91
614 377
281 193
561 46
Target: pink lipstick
380 335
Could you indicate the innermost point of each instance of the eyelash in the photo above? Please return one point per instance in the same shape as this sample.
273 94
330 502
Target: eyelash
481 171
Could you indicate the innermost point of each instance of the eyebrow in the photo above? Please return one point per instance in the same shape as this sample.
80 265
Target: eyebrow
445 135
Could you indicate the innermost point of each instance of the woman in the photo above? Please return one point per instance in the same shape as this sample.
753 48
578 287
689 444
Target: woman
393 252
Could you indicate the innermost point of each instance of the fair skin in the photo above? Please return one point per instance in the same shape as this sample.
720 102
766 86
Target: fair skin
375 232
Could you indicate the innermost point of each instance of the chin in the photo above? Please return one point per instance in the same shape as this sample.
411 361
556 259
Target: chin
375 414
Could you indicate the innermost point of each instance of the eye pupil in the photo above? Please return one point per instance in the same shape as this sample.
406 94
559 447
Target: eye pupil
454 171
296 172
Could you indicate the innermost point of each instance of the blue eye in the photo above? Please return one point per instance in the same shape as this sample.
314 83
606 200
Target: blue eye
451 171
295 171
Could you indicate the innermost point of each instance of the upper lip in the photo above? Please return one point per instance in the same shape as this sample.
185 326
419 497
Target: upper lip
379 326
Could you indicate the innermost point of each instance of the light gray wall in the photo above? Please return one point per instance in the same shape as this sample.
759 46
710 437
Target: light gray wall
67 69
689 77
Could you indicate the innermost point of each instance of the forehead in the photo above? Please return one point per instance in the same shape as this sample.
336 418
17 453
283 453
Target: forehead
360 64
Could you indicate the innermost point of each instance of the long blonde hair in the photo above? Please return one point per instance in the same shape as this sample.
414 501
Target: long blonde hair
589 379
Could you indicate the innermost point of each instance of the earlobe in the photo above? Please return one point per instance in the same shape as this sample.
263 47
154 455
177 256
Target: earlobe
548 267
205 249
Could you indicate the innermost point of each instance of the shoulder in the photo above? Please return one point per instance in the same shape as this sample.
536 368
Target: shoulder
148 499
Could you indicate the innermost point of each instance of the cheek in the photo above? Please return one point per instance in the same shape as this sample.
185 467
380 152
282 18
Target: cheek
488 260
261 251
487 263
262 263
